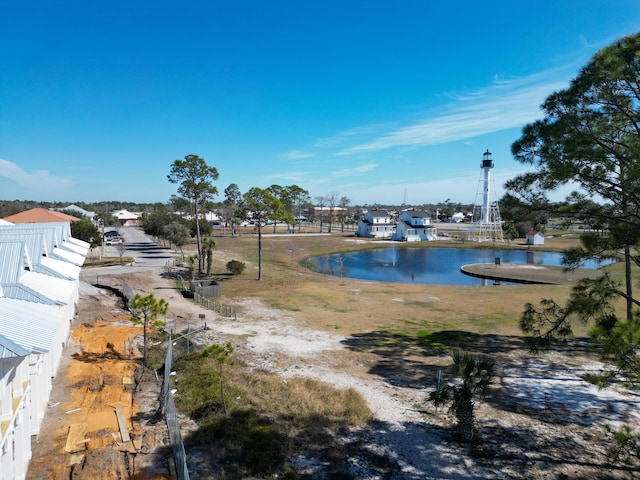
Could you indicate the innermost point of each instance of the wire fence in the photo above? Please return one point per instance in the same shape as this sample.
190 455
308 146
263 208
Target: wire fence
220 308
185 345
167 404
207 302
172 420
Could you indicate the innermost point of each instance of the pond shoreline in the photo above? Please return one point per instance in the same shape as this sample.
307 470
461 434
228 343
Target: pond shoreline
444 266
525 273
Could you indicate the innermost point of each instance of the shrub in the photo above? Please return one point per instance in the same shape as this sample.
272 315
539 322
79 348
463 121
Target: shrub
236 267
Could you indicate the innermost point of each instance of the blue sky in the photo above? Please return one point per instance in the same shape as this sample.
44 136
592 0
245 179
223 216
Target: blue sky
379 101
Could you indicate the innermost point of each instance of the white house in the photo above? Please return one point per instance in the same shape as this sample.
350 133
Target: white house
457 217
376 224
15 409
38 290
535 238
125 217
75 208
414 226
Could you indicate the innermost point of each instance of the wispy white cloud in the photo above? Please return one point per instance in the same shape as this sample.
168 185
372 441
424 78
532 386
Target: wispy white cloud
289 177
350 135
503 105
295 155
36 180
355 171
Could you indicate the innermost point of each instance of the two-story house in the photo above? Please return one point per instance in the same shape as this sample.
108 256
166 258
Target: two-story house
414 226
376 224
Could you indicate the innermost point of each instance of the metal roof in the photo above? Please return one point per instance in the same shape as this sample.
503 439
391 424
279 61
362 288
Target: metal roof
79 246
47 230
72 247
12 260
9 349
32 326
51 235
78 209
18 282
17 291
61 268
34 241
68 256
36 244
57 289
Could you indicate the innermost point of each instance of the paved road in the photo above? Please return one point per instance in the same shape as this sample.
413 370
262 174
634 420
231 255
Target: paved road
148 254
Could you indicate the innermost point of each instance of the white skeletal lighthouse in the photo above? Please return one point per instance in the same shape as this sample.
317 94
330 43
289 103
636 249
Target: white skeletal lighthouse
486 224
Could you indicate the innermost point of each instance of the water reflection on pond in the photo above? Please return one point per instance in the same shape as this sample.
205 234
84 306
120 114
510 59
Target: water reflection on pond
434 266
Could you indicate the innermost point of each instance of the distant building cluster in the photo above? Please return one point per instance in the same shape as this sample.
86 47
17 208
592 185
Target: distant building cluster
409 226
39 289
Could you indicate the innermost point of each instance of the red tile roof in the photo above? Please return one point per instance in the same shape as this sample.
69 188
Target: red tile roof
40 215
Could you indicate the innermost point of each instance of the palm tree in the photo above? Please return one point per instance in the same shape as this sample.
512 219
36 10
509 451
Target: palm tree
207 249
191 262
476 373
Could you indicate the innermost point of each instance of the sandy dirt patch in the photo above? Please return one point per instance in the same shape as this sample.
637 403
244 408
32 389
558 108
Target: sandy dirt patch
80 437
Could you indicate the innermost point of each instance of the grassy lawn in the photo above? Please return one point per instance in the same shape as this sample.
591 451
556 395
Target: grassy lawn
93 262
354 306
357 306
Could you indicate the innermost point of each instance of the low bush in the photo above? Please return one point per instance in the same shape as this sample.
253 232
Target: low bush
236 267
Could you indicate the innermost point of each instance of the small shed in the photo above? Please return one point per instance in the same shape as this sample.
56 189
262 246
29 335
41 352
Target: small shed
535 238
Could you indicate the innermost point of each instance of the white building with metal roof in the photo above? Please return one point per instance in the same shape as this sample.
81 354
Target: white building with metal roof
15 406
39 287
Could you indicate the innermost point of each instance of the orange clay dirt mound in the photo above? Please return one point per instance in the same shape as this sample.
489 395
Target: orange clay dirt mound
101 375
96 430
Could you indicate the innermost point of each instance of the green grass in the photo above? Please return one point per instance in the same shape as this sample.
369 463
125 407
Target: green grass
91 262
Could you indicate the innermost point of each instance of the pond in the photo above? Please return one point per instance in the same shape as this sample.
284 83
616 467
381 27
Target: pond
433 266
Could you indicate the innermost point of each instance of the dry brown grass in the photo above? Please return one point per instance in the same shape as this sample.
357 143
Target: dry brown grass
269 418
353 306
